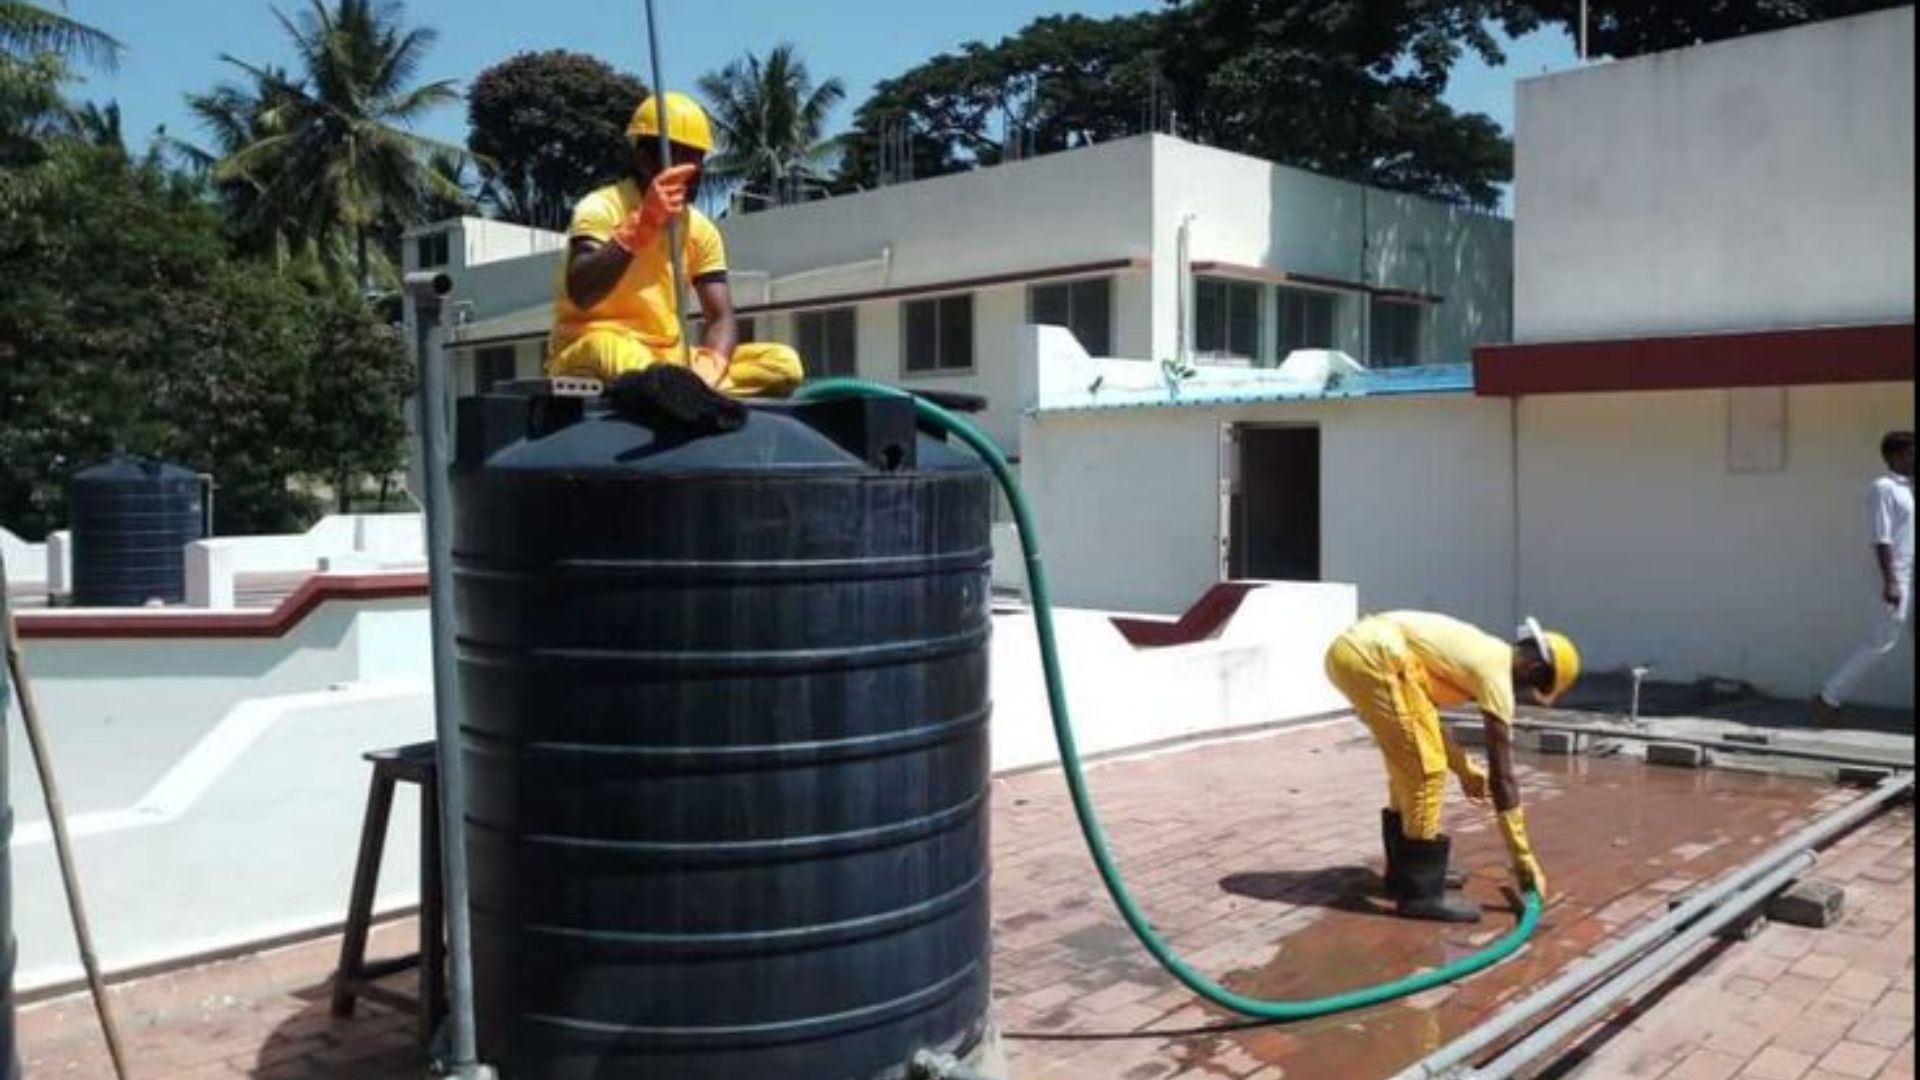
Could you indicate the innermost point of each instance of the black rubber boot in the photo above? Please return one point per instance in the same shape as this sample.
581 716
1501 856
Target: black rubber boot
1423 870
1392 836
1390 839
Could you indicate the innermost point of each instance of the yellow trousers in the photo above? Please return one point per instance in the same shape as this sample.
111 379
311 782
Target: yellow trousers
759 369
1372 666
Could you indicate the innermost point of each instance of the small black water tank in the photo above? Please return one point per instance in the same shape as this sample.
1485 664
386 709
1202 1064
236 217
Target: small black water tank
726 727
131 520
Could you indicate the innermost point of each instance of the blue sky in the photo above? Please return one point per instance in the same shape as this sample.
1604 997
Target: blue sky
174 45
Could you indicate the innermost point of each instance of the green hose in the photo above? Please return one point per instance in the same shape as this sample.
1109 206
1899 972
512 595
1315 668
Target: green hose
1076 777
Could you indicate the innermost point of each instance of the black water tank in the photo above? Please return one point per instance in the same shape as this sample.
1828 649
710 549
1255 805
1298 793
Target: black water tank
132 519
726 727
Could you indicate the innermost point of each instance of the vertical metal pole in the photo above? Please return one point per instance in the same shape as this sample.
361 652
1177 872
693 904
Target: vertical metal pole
206 505
426 290
9 1061
676 253
1583 31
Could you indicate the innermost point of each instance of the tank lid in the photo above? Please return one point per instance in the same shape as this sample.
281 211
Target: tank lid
852 436
133 469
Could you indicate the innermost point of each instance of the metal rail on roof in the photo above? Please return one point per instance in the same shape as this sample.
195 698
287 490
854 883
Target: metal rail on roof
1588 990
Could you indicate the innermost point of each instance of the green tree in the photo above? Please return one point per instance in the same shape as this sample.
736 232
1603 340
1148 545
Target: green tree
236 402
235 116
335 155
30 29
770 117
31 108
550 126
1624 28
456 192
1063 81
359 375
37 47
127 324
1352 90
1349 90
99 125
97 254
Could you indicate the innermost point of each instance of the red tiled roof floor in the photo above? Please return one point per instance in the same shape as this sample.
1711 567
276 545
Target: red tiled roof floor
1257 857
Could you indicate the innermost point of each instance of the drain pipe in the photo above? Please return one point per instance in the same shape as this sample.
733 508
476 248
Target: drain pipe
1730 897
1592 1006
1732 746
928 1065
1183 289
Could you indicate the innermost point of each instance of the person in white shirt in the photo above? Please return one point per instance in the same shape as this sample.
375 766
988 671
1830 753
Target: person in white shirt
1892 523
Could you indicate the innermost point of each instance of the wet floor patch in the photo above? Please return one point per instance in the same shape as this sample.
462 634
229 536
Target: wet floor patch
1300 916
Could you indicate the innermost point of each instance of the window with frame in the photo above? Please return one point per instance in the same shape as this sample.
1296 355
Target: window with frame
1395 333
493 364
1307 318
1083 307
938 334
1226 318
433 250
826 340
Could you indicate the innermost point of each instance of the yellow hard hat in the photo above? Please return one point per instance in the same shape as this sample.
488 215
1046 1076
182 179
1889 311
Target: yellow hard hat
1559 652
686 122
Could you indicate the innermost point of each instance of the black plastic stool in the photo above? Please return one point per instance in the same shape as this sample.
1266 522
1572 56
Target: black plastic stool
356 978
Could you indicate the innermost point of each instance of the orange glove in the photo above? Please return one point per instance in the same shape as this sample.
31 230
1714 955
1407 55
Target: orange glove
666 199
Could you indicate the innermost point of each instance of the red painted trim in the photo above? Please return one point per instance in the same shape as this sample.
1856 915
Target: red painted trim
1201 621
1801 357
1015 277
1288 277
316 590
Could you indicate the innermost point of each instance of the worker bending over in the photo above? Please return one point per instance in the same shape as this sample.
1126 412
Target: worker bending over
614 307
1398 670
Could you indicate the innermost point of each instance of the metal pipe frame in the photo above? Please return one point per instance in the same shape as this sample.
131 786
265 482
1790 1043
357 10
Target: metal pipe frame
1723 897
1596 1004
1828 757
676 253
425 291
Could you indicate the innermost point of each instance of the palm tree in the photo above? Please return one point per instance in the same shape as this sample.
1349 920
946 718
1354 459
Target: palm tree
453 173
235 116
99 125
28 29
333 155
36 46
770 116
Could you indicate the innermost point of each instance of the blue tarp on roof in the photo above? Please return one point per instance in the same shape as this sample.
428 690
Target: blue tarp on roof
1387 382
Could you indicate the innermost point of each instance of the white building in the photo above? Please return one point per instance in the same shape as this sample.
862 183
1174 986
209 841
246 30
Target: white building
929 284
1714 327
466 242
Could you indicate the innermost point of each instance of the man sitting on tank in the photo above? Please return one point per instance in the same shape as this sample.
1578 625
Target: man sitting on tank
614 305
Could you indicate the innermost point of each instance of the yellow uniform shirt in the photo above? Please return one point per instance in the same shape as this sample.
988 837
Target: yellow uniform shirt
1463 662
642 302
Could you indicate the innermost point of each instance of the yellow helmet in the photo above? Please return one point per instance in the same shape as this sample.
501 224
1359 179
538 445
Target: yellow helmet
686 122
1559 652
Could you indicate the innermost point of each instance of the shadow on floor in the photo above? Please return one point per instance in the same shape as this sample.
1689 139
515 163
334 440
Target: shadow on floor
1355 889
375 1043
